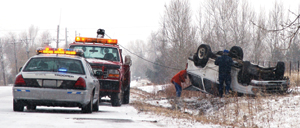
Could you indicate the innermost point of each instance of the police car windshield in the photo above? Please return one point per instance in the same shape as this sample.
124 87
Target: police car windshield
97 52
54 65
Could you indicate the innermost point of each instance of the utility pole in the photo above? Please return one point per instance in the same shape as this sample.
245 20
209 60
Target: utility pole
2 65
66 39
57 36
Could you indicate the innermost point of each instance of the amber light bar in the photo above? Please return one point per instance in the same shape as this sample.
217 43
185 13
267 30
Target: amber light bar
59 51
96 40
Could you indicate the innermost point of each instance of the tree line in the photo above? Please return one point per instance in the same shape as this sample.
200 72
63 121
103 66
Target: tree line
270 36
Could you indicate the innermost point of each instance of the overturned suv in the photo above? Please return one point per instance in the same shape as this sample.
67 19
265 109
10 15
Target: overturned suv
246 78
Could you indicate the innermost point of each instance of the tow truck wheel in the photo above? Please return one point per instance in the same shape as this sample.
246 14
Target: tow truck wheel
236 52
203 53
117 98
89 107
126 96
18 106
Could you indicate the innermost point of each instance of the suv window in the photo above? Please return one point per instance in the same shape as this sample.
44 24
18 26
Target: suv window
98 52
54 65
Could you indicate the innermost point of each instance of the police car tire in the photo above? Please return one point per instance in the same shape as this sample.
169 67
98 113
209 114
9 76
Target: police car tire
89 107
279 72
96 106
126 96
236 52
117 98
17 106
203 54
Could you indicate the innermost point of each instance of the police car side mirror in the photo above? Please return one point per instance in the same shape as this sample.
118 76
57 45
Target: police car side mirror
20 69
128 60
98 73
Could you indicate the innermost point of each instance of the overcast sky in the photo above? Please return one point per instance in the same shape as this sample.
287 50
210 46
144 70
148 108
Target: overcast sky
125 20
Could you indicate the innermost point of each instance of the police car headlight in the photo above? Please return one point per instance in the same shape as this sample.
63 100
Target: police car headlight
113 73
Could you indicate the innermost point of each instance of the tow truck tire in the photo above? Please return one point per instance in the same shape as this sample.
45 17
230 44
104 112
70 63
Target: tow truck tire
117 98
279 72
126 96
17 106
202 55
89 107
236 52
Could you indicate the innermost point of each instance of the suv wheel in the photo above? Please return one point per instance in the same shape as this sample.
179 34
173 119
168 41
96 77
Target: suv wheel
279 71
236 52
202 55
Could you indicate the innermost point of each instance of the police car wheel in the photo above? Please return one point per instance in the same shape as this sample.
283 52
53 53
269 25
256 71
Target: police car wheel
236 52
17 106
96 106
89 107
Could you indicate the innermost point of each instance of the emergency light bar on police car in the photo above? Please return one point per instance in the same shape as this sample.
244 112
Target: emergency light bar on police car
96 40
47 50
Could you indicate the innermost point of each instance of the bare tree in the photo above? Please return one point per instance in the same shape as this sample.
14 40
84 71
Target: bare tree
173 42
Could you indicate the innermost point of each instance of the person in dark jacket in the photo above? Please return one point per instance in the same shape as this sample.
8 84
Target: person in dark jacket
177 79
225 62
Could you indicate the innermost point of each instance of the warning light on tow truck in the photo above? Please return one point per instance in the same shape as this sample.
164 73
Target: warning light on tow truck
96 40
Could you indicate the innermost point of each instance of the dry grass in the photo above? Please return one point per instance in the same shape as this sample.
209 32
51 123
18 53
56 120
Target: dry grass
246 111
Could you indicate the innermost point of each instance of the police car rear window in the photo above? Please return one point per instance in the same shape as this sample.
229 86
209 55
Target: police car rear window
54 65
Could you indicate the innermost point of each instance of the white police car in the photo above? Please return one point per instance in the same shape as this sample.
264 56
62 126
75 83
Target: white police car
246 78
56 77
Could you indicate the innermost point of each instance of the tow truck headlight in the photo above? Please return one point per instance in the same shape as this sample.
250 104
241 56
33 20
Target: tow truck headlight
113 73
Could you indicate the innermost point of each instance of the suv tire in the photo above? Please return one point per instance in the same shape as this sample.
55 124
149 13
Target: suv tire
279 71
236 52
202 55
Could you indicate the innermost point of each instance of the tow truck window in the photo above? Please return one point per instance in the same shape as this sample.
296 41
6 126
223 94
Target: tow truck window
54 65
97 52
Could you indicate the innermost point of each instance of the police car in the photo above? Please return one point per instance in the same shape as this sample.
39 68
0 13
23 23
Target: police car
56 77
246 77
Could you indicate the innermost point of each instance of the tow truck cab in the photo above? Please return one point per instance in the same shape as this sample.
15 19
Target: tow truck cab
106 59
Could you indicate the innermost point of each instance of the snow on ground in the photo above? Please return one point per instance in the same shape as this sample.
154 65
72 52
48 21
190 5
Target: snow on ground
264 111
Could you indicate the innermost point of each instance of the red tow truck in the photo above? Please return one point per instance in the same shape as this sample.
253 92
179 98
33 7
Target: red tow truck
105 57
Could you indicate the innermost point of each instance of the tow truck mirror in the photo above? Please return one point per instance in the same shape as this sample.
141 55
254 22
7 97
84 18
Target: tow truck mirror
98 73
128 60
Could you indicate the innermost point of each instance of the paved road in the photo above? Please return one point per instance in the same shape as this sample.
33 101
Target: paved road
58 117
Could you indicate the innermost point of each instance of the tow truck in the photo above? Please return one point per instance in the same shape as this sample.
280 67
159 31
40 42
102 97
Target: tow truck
106 59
